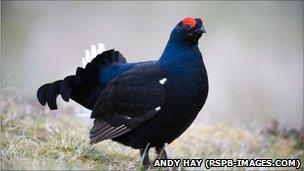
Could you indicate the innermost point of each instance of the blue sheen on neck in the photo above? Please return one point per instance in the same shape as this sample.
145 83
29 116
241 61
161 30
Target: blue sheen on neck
180 56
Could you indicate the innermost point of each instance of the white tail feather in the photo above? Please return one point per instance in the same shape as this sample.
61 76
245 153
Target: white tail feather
101 48
87 56
90 55
84 63
93 51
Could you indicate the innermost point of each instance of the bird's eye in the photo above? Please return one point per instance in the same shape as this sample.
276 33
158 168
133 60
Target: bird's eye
189 21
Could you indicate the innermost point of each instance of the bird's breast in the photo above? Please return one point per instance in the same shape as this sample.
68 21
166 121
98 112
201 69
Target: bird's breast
187 90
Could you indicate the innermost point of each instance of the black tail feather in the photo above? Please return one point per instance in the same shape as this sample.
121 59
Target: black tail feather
81 87
79 77
66 87
52 93
41 94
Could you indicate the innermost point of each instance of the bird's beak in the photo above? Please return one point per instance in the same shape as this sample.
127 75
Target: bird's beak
202 29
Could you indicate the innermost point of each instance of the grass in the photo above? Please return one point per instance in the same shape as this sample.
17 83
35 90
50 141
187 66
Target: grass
34 138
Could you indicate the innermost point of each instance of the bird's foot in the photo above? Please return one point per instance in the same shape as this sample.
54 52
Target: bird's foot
161 152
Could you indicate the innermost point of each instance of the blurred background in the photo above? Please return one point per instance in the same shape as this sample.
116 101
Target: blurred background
253 50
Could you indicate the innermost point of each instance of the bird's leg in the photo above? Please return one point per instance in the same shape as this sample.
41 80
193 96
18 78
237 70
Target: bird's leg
161 152
144 153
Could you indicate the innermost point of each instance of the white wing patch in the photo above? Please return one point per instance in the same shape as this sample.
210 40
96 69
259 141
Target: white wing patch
162 81
158 108
90 55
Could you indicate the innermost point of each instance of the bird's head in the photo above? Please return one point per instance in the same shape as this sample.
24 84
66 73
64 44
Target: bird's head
189 30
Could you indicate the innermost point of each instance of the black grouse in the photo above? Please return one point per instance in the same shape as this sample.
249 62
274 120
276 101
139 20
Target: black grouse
144 104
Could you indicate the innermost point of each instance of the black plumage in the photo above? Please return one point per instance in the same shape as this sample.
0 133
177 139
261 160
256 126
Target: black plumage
144 104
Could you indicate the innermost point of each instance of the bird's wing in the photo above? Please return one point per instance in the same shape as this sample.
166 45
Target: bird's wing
128 101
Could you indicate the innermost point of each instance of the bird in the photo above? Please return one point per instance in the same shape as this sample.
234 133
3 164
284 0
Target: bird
142 105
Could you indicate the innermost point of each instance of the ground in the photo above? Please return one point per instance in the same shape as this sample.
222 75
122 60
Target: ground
35 138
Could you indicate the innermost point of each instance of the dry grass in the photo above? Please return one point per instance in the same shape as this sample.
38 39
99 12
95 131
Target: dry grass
35 139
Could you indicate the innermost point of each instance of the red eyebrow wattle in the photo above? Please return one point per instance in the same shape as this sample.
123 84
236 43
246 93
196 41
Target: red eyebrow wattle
189 21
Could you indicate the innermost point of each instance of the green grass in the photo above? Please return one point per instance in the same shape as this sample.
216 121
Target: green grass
32 138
